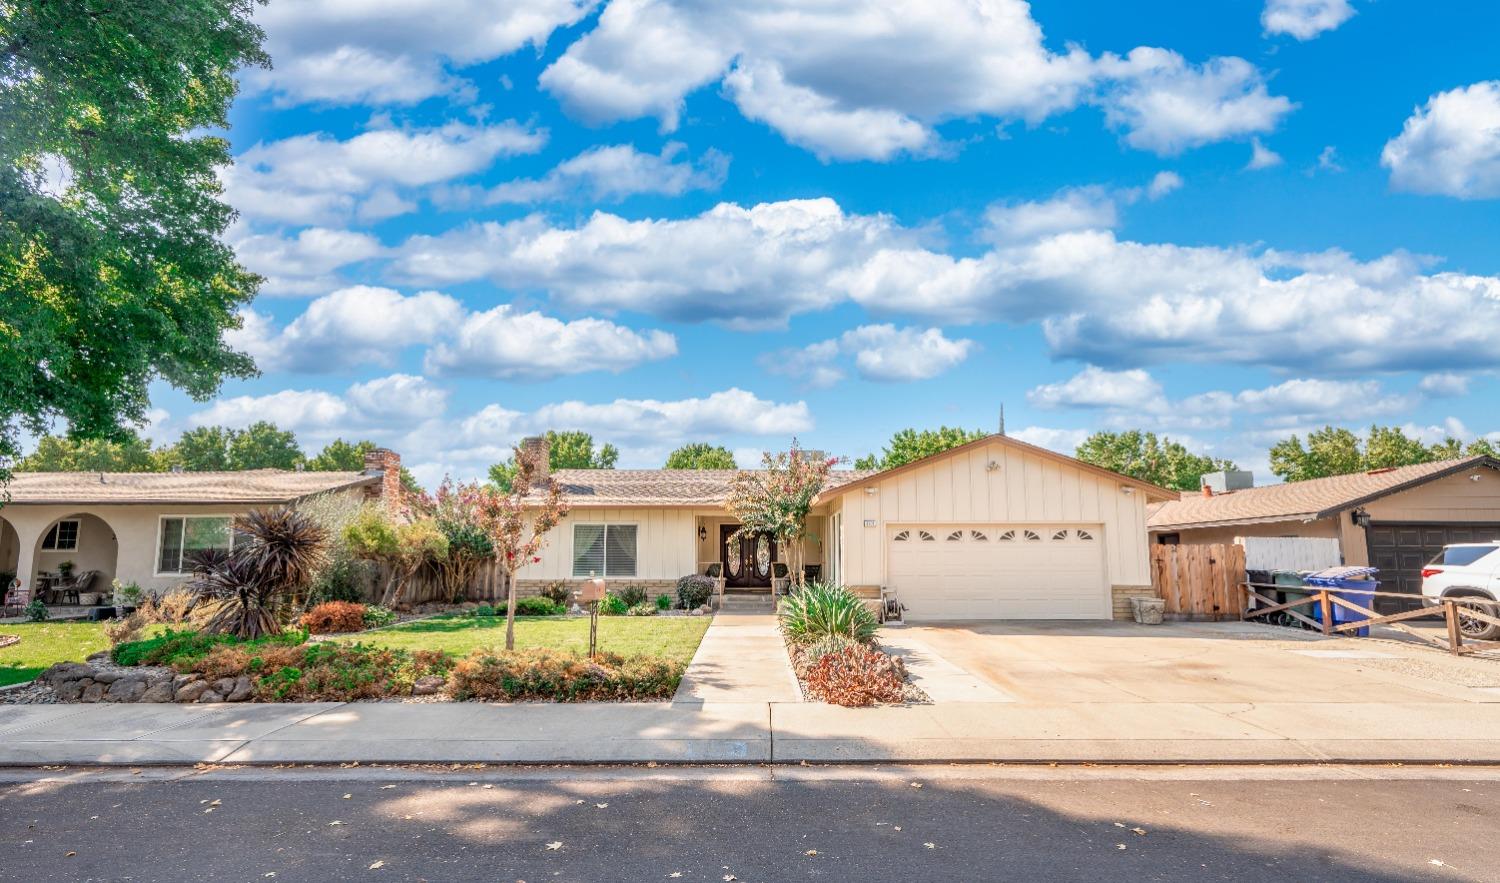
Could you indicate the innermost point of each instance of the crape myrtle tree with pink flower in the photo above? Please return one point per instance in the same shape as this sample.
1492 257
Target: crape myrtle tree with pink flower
776 499
457 510
517 522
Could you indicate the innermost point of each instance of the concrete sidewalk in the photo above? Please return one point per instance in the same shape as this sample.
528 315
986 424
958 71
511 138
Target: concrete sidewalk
742 658
752 732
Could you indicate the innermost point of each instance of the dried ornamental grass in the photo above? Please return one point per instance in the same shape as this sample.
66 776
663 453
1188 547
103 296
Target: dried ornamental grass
856 676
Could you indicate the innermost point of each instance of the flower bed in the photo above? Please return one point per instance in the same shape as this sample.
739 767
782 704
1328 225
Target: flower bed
830 637
188 666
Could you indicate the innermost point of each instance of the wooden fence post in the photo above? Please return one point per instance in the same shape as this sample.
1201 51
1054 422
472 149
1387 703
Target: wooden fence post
1327 609
1455 634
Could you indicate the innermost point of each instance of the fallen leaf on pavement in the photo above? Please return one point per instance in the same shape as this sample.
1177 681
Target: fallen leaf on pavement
380 863
555 845
811 852
930 845
386 787
335 823
348 796
675 874
1140 831
916 784
70 854
600 805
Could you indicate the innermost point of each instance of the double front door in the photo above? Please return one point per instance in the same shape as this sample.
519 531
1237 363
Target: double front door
747 561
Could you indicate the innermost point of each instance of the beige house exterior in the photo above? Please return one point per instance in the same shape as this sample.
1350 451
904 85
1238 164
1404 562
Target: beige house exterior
1394 519
138 527
994 529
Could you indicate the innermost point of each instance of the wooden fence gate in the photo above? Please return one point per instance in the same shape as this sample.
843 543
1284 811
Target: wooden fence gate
1201 581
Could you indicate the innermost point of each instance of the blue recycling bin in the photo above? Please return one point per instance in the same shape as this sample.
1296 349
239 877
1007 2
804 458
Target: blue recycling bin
1346 578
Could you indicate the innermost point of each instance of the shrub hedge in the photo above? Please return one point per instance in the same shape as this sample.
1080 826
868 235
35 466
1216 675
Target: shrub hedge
332 617
544 673
693 591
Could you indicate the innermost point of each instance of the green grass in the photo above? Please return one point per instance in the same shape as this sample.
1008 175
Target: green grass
675 637
43 643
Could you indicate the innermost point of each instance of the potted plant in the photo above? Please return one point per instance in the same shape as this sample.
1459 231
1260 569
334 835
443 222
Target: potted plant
127 598
65 568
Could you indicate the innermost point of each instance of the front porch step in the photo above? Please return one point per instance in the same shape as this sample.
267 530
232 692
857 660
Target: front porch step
747 604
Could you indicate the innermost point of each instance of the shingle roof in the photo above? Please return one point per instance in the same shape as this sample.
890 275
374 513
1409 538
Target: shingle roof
1315 498
659 487
254 486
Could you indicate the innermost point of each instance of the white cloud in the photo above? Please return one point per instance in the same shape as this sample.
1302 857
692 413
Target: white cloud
882 353
399 397
299 410
1304 19
1261 156
860 79
730 411
505 344
1162 184
1168 105
356 325
1450 146
1075 208
1094 387
318 179
342 52
614 172
1328 160
747 267
302 264
1064 441
1444 384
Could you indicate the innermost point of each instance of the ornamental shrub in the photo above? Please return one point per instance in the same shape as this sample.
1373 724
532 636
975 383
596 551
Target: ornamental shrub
818 610
613 605
663 602
332 617
558 593
694 590
632 595
184 650
856 675
642 609
376 616
536 606
562 676
36 611
486 610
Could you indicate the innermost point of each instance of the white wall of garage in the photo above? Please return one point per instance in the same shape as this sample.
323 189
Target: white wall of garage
962 489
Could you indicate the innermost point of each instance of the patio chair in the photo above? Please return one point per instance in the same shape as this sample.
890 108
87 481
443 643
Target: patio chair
17 597
71 589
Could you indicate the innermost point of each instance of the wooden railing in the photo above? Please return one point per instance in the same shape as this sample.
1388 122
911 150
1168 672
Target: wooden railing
1453 611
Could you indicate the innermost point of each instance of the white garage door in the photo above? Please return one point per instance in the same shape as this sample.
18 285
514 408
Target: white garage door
999 571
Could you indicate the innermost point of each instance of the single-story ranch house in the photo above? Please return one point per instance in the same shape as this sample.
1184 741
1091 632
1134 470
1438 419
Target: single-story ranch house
138 526
994 529
1395 519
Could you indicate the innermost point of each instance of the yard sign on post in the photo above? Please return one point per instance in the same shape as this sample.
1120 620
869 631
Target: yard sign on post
592 595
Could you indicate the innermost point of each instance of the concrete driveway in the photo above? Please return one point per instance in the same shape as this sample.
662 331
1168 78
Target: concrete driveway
1230 662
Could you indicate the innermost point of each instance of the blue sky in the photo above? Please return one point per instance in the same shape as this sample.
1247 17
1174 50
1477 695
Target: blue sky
683 221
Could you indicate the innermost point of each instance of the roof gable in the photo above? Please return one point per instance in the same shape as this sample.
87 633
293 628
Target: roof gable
1151 491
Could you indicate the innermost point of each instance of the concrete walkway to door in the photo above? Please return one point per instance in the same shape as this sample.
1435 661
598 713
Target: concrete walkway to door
742 659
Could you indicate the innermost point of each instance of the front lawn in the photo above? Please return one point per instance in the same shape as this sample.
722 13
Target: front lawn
44 643
672 637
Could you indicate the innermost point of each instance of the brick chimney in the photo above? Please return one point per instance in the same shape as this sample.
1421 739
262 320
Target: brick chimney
386 463
540 450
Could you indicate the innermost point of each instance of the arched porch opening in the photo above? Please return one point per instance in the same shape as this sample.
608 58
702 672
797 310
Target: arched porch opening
75 557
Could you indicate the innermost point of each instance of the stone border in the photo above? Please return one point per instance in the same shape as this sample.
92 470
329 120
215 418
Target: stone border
9 640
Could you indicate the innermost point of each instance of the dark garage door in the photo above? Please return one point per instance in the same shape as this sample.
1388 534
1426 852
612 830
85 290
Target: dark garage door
1400 549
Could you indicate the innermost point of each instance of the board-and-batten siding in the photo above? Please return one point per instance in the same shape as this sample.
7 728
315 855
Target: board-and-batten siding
1026 489
665 543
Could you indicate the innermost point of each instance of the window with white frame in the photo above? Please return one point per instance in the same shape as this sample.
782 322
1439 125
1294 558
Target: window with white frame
62 536
604 549
180 537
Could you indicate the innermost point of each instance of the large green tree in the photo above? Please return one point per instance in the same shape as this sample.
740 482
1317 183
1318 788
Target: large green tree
1334 450
1142 455
341 456
260 445
567 450
700 455
126 453
910 444
113 272
205 449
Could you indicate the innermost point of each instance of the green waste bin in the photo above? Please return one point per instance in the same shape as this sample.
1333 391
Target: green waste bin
1290 588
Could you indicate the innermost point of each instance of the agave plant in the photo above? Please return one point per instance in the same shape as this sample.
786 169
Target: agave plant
820 610
276 553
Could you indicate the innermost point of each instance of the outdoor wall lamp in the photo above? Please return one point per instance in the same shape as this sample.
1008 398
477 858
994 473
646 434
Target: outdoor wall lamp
1127 491
702 533
1360 517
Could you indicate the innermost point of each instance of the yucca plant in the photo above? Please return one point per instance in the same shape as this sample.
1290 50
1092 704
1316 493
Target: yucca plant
819 610
277 553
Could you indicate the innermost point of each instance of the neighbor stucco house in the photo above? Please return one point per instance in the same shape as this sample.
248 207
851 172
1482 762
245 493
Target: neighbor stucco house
993 529
141 527
1395 519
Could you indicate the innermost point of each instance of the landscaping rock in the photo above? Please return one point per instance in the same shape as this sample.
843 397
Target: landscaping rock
208 696
180 681
106 677
66 671
161 691
241 689
430 685
224 686
101 656
92 693
70 691
126 689
190 691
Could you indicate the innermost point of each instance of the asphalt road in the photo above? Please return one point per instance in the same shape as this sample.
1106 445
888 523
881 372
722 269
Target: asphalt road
751 824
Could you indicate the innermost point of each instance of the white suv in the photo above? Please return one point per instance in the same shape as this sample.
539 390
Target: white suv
1467 571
